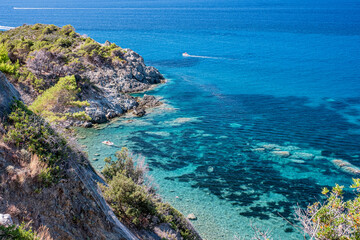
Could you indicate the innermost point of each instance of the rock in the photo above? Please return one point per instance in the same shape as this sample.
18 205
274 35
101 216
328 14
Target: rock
149 101
302 155
281 153
111 114
297 161
346 166
5 220
87 125
107 43
270 146
8 94
139 112
320 158
191 216
97 116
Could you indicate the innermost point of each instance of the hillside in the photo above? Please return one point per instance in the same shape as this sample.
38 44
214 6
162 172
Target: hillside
35 58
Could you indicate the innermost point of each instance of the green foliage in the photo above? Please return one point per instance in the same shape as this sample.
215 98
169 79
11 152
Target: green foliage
54 101
67 30
27 130
125 165
129 200
29 77
335 218
64 42
133 200
16 233
68 52
46 176
6 66
79 103
49 29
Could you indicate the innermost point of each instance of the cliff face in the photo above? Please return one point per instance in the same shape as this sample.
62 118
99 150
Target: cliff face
7 95
73 208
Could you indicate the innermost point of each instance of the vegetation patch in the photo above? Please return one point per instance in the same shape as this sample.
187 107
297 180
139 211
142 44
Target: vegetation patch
17 233
335 218
55 101
49 52
6 66
134 200
28 131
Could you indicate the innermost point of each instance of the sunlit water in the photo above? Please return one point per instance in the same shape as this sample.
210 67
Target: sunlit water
284 75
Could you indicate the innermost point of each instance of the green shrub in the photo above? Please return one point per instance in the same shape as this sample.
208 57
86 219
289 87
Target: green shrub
49 29
79 103
16 233
132 197
67 30
335 218
6 66
57 96
55 100
27 130
129 200
64 42
125 165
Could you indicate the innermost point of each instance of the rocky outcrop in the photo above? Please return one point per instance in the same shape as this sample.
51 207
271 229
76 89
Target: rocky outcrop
109 99
106 73
146 102
7 95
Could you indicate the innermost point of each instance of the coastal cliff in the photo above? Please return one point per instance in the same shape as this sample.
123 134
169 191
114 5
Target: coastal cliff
46 181
35 58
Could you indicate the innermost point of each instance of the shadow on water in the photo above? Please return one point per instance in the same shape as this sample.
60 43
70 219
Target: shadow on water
242 177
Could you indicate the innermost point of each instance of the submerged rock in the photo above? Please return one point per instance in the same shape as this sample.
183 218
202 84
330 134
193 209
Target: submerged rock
303 155
346 166
281 153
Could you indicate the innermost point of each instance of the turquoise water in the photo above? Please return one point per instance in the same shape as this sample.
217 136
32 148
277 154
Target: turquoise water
279 74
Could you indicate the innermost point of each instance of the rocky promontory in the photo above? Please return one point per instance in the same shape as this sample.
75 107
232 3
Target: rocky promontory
37 56
49 185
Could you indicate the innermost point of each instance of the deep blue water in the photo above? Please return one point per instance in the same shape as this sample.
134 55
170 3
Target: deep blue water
284 73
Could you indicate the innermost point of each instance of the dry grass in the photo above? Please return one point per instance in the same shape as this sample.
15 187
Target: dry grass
43 233
35 166
13 210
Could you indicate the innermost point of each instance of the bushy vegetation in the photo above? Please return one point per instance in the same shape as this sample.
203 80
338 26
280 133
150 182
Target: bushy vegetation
16 233
53 103
134 200
49 53
335 218
6 66
29 131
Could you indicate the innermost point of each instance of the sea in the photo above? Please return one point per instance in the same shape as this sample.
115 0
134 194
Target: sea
253 120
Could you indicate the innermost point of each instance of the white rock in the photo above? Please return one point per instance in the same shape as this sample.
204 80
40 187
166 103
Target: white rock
191 216
5 220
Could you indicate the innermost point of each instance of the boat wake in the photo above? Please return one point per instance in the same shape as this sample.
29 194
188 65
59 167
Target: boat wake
5 28
197 56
